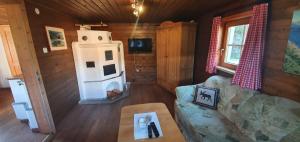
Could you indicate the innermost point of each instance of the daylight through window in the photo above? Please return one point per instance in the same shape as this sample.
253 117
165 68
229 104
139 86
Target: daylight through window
236 37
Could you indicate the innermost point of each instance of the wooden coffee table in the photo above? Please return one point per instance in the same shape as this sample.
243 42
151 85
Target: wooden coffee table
171 132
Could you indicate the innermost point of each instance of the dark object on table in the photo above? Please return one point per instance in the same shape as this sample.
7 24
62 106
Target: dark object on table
155 131
149 132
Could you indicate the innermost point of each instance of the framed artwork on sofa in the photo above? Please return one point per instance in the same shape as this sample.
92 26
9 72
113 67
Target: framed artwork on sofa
207 97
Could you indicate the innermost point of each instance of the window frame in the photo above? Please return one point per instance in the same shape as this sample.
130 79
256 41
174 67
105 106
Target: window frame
233 20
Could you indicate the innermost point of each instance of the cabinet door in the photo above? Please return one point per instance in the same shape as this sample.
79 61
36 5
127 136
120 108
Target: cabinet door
187 54
173 56
161 55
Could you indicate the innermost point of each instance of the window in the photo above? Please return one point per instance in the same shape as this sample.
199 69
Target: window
235 30
235 42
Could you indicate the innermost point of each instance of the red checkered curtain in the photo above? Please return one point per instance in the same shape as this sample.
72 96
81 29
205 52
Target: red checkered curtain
249 71
212 60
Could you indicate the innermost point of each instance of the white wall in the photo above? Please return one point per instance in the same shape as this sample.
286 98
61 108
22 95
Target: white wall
4 67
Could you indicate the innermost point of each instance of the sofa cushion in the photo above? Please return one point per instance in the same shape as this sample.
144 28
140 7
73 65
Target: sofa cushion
229 108
206 97
185 93
208 124
280 117
231 96
267 118
227 91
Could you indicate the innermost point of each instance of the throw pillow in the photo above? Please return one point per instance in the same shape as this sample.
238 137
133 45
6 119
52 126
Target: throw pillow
207 97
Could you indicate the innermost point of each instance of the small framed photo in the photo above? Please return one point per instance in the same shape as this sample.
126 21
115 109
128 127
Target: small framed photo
56 38
207 97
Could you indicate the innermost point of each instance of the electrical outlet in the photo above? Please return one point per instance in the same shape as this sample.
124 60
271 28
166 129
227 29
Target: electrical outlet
45 50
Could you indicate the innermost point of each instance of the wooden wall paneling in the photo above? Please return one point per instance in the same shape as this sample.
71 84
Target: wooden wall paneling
145 62
202 46
275 80
18 22
57 67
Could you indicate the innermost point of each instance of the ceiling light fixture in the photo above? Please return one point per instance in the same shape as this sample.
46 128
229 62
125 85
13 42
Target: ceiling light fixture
137 6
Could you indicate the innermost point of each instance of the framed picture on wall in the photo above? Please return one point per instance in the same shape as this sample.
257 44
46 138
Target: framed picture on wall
56 38
292 52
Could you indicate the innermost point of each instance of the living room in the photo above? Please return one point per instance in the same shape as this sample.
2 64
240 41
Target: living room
150 70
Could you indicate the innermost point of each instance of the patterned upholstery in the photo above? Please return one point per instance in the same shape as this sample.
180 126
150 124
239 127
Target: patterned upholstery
243 115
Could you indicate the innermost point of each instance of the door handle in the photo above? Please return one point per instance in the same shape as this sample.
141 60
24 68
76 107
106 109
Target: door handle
222 50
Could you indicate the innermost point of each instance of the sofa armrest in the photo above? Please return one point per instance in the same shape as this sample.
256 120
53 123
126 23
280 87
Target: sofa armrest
185 93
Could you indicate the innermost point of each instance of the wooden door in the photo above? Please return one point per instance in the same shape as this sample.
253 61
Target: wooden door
10 50
4 67
161 55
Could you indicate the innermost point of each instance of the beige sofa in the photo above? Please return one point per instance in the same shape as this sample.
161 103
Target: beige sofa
242 116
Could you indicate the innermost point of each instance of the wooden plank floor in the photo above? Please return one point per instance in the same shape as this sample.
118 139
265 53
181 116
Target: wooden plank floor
100 123
11 129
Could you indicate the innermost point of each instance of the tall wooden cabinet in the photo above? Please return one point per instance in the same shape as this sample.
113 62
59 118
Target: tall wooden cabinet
175 54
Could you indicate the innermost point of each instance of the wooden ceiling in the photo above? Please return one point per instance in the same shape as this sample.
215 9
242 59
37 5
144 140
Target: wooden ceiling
121 11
